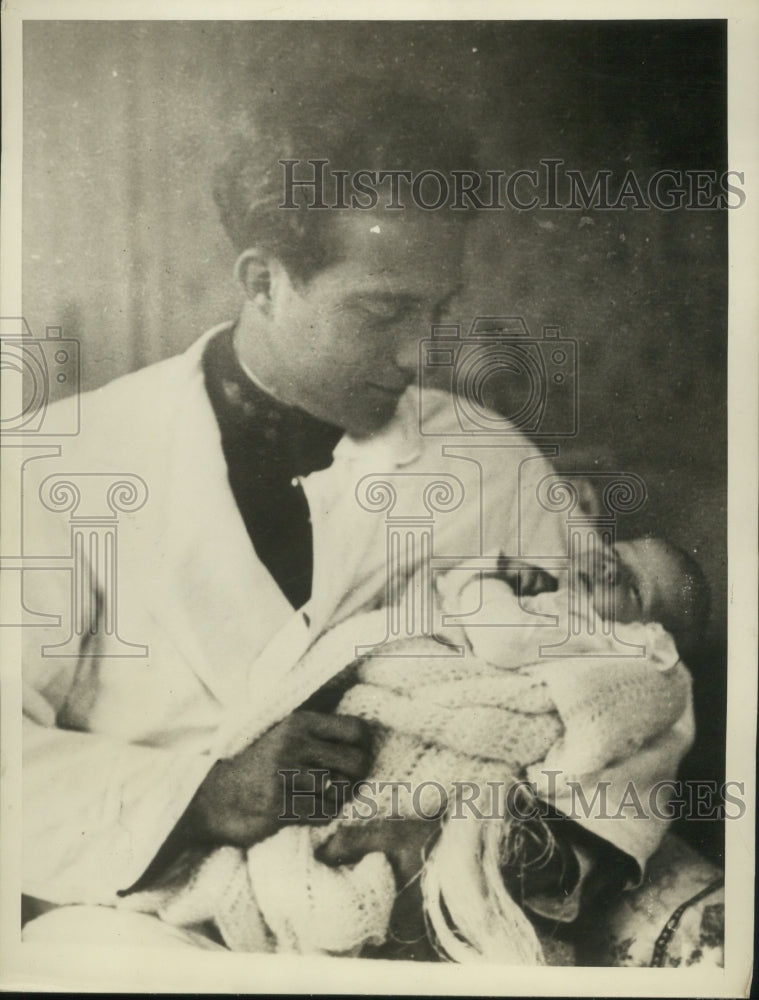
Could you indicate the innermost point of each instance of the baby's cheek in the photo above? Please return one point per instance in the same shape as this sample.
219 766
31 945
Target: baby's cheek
622 606
615 603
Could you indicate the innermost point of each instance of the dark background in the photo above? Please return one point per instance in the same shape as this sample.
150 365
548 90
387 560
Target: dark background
124 121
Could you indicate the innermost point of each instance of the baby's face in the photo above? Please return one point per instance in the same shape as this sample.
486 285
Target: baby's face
642 583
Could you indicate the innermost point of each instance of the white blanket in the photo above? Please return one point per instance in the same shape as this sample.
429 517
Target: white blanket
440 721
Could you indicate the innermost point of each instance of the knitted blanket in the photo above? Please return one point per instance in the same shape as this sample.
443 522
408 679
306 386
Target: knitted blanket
486 720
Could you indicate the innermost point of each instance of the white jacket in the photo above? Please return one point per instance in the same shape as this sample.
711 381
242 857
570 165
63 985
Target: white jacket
116 746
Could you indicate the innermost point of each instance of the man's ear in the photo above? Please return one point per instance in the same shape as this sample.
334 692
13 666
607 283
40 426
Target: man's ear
253 271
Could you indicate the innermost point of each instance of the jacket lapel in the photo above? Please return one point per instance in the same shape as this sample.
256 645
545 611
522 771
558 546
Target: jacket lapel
212 594
216 599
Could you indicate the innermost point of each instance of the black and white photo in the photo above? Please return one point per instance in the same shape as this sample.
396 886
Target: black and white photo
378 453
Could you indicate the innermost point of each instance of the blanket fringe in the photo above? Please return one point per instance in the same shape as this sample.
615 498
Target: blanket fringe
471 915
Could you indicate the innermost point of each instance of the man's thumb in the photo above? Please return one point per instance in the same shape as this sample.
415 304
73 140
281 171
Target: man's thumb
349 844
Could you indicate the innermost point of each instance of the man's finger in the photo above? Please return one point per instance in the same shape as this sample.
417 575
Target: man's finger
337 728
347 759
351 843
314 796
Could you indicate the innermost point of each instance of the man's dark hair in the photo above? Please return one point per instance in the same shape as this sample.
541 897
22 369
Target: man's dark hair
355 124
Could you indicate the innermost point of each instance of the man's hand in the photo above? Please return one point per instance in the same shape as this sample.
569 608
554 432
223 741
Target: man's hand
246 798
404 842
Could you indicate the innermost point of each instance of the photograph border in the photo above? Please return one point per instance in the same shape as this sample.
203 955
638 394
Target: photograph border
31 967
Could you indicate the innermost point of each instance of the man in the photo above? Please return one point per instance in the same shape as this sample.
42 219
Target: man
257 450
119 765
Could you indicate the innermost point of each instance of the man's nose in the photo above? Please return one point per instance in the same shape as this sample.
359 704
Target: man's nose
407 347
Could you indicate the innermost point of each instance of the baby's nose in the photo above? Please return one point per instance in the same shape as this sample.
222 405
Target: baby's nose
607 568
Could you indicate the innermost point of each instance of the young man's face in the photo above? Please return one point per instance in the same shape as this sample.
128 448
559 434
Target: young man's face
345 346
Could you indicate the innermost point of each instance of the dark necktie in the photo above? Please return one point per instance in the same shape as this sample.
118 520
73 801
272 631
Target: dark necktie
267 445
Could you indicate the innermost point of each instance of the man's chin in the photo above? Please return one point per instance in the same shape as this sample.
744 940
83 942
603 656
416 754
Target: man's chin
371 422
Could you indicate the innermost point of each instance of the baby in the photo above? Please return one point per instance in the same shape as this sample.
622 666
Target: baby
638 581
502 704
493 716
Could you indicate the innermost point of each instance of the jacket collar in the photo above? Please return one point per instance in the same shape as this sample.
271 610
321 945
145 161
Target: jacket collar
216 599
